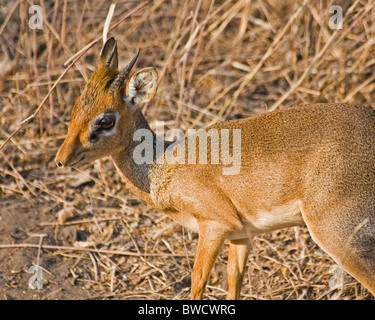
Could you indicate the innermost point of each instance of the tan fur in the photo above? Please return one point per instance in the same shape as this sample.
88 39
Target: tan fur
311 164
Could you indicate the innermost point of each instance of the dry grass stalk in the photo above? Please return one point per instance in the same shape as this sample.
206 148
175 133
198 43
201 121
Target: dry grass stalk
216 61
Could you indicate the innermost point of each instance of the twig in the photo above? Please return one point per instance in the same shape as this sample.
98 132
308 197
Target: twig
6 20
108 21
316 61
95 266
250 76
32 117
103 251
88 46
69 223
72 61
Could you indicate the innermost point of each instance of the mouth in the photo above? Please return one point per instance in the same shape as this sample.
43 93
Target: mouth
80 160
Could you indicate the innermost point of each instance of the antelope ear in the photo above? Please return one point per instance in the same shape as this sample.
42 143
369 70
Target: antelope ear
108 55
142 86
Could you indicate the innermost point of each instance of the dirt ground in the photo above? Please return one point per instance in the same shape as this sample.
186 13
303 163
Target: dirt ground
216 60
71 274
286 264
20 223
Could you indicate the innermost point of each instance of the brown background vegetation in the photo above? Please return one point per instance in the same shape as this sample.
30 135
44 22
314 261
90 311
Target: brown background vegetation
216 60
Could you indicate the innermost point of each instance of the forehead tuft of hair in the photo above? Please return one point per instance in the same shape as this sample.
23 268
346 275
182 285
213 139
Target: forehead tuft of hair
97 87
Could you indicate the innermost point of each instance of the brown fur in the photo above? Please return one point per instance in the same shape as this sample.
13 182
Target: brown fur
311 164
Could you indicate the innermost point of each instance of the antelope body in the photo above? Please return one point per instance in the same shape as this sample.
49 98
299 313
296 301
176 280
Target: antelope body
311 164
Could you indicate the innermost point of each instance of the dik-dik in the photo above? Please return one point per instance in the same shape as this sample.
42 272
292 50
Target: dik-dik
310 164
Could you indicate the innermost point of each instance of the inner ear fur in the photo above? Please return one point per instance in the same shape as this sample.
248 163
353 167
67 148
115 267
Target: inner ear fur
143 85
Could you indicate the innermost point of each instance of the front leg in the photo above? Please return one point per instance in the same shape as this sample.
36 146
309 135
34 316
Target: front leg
211 239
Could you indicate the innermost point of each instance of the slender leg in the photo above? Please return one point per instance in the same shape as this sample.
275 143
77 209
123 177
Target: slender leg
210 241
348 236
238 253
357 258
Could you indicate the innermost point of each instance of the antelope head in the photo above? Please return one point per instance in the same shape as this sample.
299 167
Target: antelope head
103 117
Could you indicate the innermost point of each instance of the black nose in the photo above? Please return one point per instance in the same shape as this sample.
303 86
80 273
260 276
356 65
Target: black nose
59 164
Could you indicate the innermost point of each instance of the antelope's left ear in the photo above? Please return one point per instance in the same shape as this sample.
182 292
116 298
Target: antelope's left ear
108 55
142 86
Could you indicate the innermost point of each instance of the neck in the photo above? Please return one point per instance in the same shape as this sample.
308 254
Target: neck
137 176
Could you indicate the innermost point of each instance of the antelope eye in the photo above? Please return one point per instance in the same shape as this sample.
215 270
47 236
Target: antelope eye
107 122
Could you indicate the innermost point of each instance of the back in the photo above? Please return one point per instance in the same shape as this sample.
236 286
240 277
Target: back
281 153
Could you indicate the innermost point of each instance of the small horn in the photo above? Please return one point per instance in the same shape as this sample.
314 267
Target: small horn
124 73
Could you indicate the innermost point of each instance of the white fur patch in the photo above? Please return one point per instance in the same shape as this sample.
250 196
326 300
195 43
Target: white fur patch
288 215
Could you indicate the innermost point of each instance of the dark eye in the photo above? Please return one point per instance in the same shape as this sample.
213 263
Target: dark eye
106 122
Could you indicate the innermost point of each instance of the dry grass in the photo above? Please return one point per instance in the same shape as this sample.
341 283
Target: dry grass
216 60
